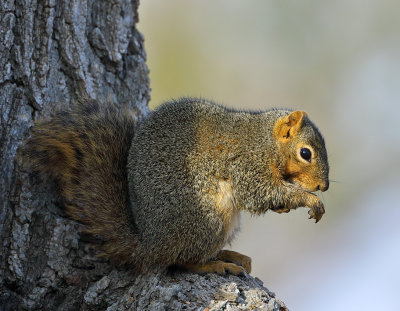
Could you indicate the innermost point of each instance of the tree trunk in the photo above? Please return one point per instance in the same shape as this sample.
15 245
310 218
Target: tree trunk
53 52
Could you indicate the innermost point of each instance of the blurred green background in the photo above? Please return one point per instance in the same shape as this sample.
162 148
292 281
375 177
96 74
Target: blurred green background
340 62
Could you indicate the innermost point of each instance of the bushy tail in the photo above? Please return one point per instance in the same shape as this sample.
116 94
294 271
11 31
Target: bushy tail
86 151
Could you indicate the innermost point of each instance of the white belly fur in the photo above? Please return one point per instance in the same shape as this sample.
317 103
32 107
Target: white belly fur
226 204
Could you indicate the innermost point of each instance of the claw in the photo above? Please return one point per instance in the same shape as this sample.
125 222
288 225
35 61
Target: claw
316 213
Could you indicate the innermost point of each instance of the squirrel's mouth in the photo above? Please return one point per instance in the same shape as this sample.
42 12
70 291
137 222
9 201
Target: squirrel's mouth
302 187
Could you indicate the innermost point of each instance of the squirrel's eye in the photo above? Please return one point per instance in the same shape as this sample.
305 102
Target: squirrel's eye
305 153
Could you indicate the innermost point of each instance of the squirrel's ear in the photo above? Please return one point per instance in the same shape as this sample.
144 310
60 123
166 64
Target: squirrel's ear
287 127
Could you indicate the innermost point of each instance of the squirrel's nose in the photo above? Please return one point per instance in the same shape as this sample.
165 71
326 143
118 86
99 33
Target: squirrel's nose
324 186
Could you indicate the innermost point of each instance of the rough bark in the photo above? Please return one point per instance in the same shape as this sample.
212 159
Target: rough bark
51 53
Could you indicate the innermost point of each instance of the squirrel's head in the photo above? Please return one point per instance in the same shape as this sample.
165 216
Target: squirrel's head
305 160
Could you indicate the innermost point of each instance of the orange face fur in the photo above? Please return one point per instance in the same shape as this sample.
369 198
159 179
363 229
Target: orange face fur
303 173
303 164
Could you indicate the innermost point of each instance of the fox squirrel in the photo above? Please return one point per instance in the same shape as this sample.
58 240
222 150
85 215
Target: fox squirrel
170 191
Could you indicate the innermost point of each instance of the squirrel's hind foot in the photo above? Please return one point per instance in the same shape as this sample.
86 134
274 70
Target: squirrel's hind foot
236 258
225 262
214 266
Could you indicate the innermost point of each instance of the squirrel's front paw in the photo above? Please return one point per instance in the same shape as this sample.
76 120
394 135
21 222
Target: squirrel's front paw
316 210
